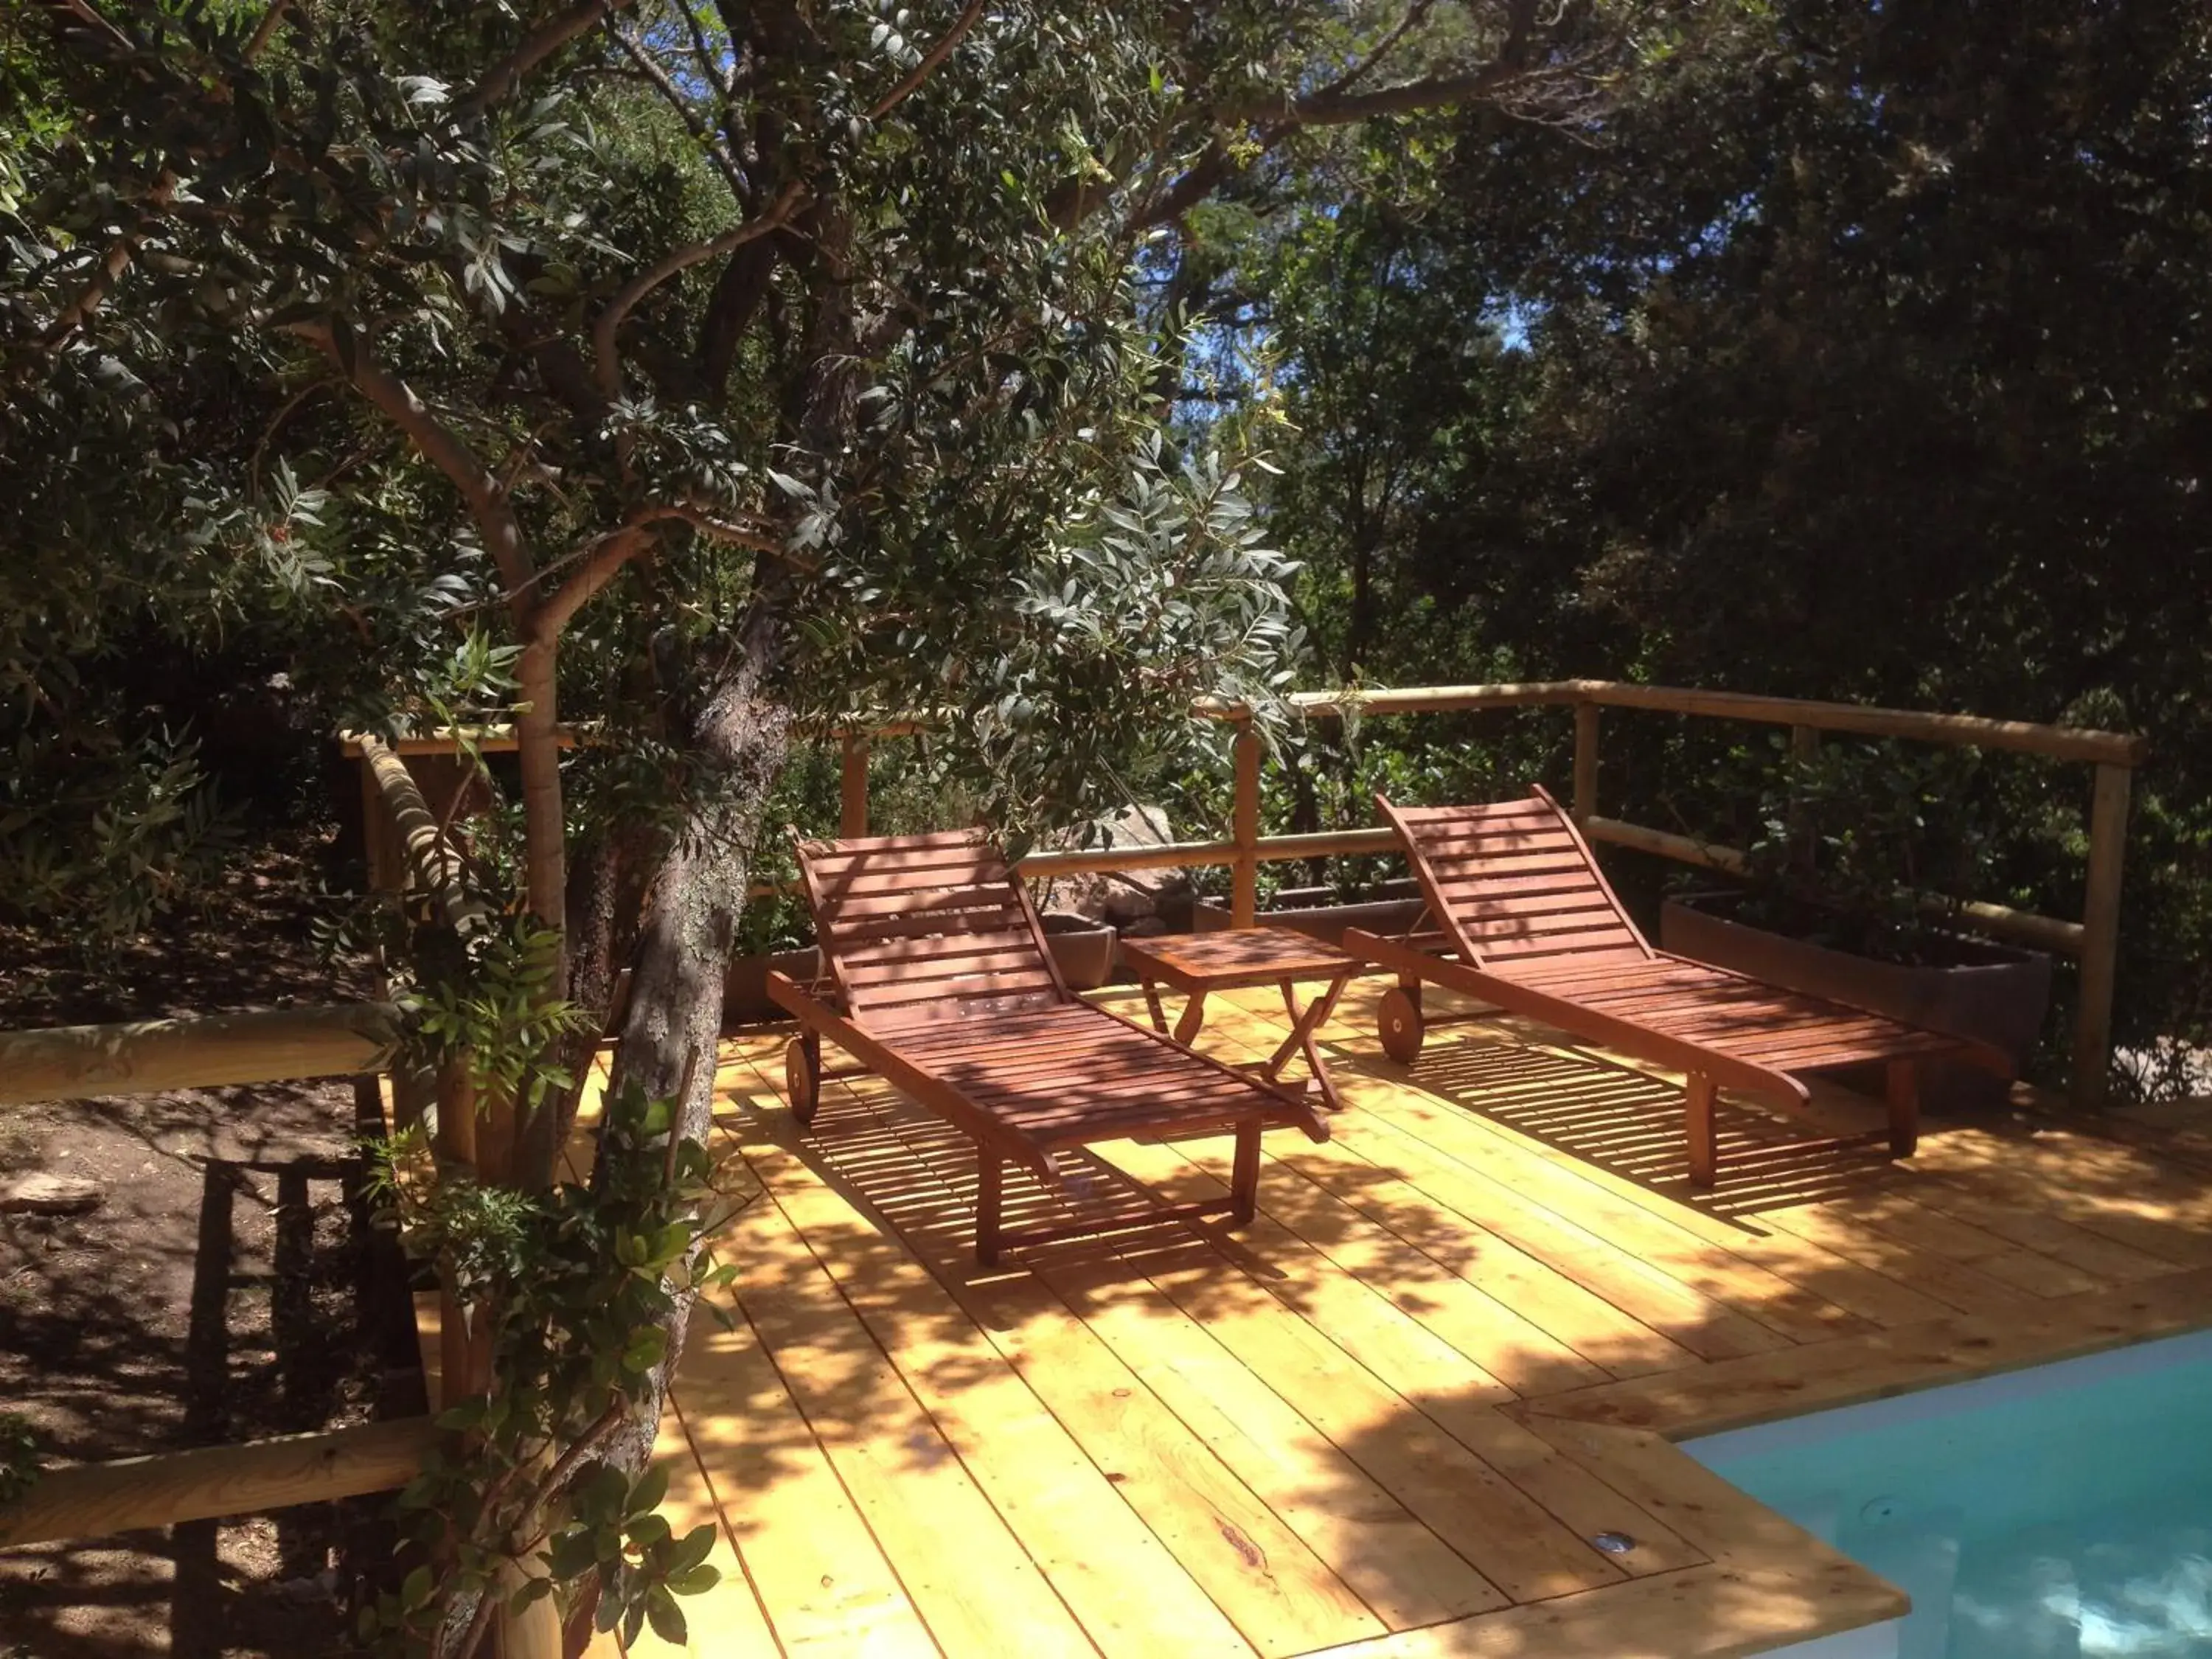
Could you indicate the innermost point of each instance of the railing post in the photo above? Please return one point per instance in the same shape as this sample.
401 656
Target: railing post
1804 750
2100 937
464 1352
1244 889
1586 716
852 787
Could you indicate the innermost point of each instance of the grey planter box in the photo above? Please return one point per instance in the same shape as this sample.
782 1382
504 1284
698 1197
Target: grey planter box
1996 993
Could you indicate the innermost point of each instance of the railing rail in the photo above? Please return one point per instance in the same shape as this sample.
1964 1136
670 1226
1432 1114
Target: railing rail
91 1500
2093 940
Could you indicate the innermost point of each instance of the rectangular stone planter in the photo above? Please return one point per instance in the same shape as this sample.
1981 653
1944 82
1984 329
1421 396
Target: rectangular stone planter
1994 992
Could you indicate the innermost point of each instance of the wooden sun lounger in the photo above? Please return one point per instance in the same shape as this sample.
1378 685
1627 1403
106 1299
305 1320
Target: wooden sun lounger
1536 930
940 981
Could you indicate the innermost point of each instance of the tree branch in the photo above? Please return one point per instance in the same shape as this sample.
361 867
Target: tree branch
601 561
83 11
625 298
79 311
1326 108
603 557
928 66
499 80
266 30
738 294
1416 14
724 162
443 448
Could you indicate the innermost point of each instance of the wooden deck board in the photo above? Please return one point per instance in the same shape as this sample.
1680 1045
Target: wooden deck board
1080 1516
1383 1418
1072 1518
967 1572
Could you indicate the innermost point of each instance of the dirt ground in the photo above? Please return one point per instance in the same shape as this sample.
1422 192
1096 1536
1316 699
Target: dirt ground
228 1287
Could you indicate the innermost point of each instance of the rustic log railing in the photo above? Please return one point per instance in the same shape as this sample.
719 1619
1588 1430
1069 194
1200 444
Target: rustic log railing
92 1500
2093 939
408 847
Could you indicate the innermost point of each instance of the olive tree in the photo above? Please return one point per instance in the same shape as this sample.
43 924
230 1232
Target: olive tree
691 368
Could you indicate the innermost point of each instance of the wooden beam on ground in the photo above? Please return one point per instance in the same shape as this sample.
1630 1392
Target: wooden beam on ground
93 1500
206 1051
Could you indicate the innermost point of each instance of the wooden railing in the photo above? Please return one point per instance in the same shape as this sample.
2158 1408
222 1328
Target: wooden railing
92 1500
2093 939
407 846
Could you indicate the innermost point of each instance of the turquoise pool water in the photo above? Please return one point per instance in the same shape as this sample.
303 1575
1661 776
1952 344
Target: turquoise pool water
2059 1513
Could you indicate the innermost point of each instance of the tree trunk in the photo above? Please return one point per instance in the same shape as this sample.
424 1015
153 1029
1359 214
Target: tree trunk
738 740
538 749
606 894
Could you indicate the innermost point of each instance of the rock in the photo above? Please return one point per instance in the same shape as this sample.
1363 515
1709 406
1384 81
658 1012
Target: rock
323 1587
1125 899
49 1194
1145 927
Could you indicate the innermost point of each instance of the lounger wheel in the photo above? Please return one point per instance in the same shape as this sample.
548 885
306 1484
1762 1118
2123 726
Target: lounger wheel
1399 1023
802 1077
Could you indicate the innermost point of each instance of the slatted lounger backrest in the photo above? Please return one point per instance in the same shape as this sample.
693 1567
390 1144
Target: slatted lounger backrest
1514 886
918 928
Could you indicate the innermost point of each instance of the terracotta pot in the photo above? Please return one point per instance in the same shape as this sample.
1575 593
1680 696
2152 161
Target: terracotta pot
1994 992
1083 948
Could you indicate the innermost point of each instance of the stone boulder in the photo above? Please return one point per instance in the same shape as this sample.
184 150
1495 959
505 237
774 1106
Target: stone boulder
1130 900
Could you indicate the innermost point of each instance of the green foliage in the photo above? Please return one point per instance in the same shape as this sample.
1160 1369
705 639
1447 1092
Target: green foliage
575 1289
1855 353
100 838
1853 839
877 357
19 1456
491 1003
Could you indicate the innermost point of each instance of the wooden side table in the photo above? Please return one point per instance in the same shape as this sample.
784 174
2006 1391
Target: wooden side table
1197 963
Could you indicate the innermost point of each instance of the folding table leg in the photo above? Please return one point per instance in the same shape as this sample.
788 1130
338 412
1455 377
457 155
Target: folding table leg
1152 1002
1304 1026
1705 1152
1244 1182
990 1172
1904 1096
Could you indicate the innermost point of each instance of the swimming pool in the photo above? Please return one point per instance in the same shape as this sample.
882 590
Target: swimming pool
2063 1512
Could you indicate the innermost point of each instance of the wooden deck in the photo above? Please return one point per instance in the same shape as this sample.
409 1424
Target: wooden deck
1390 1416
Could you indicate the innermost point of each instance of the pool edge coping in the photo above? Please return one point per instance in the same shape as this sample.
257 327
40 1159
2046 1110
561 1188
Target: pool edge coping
1769 1584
